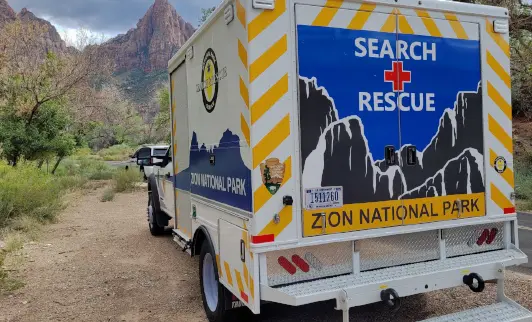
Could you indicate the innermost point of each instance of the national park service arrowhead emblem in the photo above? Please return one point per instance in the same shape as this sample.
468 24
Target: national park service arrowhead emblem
272 174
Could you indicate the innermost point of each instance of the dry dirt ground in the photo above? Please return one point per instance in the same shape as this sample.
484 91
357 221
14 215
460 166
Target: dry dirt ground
99 263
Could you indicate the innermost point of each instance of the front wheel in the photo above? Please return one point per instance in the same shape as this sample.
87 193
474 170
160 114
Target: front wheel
155 230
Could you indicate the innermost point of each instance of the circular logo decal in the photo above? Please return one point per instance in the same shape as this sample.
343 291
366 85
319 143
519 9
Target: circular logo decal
209 79
500 164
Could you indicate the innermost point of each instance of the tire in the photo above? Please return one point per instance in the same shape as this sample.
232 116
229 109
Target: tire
212 292
155 229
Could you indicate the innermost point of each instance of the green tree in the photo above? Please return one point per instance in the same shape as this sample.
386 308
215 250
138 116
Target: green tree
205 13
163 118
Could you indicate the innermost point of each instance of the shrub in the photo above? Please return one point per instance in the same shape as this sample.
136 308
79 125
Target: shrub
26 190
108 195
126 180
87 168
116 153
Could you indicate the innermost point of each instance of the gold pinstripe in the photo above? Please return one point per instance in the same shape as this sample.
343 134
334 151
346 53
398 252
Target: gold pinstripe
269 57
272 96
362 16
429 23
499 198
505 107
241 13
498 69
265 19
456 25
327 13
243 54
271 141
501 135
498 39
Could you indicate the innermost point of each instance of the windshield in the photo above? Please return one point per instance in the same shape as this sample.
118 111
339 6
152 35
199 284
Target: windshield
159 152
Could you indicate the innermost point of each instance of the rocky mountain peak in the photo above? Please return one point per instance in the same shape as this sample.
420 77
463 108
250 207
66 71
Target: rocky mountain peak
156 38
6 12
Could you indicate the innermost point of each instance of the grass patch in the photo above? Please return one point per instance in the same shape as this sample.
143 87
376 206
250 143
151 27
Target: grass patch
108 195
523 183
126 180
14 242
116 153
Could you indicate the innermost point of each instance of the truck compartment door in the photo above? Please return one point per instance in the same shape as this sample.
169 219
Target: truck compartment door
438 86
181 150
348 117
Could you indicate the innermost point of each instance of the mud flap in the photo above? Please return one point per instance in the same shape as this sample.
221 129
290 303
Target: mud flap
231 301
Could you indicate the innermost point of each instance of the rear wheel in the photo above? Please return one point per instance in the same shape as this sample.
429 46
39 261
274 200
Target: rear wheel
155 230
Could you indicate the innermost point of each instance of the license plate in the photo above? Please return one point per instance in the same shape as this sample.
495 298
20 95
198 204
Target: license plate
323 198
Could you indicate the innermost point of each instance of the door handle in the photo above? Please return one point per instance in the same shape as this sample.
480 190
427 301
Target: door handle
389 153
411 155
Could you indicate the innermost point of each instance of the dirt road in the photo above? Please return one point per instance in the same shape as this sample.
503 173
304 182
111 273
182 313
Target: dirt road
99 263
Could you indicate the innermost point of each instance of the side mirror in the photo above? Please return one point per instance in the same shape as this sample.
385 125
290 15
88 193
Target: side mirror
143 161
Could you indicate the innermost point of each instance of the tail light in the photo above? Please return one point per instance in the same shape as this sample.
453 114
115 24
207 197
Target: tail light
300 262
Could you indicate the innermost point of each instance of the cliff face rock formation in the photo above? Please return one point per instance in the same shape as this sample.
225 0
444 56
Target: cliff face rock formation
149 46
51 41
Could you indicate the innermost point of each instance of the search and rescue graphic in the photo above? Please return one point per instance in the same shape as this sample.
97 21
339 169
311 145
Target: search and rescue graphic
417 97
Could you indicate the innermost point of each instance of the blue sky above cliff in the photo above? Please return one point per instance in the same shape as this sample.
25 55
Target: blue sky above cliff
107 17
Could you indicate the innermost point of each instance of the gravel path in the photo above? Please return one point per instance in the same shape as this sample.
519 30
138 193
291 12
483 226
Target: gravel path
99 263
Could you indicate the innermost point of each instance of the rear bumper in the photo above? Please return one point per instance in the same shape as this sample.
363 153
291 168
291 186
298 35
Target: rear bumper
365 288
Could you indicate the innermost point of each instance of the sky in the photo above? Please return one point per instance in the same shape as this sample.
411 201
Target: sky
103 17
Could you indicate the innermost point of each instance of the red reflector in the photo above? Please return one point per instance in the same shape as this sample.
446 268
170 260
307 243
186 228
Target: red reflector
287 265
300 263
492 235
244 296
510 210
263 239
483 237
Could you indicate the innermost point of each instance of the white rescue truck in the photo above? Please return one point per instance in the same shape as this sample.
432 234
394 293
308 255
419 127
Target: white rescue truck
342 150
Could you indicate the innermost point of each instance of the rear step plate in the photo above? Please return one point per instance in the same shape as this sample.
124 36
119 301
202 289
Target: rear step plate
365 288
498 312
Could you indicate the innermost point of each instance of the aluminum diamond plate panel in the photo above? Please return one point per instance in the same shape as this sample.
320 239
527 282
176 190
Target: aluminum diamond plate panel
498 312
463 240
323 261
397 272
398 250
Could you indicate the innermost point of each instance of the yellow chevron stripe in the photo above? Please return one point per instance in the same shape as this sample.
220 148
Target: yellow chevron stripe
498 69
499 198
245 128
499 100
239 281
252 287
456 25
269 57
361 16
271 141
429 23
173 106
246 276
174 129
327 13
498 39
244 92
285 219
241 13
404 26
500 134
228 275
220 273
272 96
265 19
391 22
243 54
507 175
262 195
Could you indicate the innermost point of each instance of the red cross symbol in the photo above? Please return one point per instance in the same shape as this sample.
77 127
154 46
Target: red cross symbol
397 76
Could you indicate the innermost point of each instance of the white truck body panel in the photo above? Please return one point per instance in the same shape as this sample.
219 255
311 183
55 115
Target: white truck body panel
259 118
